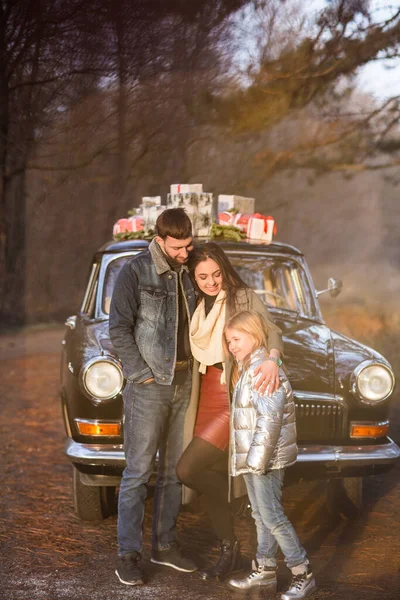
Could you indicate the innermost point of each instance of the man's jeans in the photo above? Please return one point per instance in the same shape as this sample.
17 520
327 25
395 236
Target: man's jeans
273 526
154 419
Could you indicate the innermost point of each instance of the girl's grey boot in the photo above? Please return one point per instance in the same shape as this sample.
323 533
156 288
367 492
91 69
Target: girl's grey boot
260 577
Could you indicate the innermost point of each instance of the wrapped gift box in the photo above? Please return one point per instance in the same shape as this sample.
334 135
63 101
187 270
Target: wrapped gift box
226 217
239 203
134 223
200 209
137 223
237 219
151 214
122 225
261 228
186 188
151 200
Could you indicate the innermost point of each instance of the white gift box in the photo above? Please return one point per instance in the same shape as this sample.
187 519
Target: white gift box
199 208
151 200
261 228
186 188
151 214
240 203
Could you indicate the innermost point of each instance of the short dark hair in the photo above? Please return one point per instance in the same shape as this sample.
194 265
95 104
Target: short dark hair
175 223
231 281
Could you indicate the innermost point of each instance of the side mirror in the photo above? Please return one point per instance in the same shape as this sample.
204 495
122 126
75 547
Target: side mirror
71 322
334 287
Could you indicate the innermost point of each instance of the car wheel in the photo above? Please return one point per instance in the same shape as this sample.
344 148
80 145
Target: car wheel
92 502
345 496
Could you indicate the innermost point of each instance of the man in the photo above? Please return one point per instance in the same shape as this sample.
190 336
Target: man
151 307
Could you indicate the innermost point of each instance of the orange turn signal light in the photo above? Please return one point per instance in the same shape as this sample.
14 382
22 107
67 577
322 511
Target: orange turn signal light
369 430
97 429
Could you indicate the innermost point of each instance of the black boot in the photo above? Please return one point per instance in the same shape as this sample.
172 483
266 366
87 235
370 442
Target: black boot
228 562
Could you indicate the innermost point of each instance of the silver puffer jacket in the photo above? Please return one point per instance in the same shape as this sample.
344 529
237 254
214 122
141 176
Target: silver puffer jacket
263 428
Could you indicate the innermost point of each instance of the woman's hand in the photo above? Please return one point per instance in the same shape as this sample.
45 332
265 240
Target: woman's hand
268 377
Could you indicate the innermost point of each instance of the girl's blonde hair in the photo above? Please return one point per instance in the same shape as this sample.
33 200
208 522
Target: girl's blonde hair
252 323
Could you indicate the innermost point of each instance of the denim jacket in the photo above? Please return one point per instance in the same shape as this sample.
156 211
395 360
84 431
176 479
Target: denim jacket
144 315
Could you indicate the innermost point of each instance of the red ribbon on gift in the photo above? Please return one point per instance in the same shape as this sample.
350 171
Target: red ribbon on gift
266 219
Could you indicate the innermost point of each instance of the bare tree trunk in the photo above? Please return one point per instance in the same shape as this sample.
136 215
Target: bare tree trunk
3 159
120 172
13 165
13 301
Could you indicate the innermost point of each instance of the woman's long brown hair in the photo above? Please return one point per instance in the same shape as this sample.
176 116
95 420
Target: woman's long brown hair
231 281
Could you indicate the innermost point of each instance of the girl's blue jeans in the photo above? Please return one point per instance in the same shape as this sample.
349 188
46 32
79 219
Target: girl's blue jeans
273 527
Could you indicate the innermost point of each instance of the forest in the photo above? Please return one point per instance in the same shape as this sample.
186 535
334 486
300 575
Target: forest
103 102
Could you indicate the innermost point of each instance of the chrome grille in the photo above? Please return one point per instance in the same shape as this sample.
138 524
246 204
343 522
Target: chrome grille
323 418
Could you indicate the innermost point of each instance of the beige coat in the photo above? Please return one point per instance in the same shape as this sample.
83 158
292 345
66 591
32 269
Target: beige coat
246 299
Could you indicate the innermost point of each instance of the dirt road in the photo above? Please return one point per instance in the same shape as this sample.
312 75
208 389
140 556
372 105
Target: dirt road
48 554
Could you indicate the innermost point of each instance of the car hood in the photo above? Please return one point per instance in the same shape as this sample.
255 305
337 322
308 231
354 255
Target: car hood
309 356
319 359
96 340
349 354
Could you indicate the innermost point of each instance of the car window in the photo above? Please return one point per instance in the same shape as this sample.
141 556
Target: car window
280 282
110 278
89 299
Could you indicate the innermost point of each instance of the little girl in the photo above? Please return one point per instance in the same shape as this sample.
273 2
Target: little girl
262 445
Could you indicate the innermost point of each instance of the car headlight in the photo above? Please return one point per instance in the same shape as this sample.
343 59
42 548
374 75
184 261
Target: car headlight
102 379
372 382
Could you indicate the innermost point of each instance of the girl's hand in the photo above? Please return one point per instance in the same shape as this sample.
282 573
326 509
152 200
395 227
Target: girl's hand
268 377
259 472
256 471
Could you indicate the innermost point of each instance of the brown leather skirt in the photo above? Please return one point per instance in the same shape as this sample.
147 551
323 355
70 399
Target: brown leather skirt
212 423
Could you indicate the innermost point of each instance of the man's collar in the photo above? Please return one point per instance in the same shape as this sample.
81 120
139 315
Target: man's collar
159 259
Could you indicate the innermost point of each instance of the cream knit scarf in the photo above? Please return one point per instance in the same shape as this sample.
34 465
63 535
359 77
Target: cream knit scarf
206 334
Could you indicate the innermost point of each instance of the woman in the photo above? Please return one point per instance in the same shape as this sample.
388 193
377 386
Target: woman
204 464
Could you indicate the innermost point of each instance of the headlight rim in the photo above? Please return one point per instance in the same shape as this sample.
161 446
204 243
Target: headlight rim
105 358
359 369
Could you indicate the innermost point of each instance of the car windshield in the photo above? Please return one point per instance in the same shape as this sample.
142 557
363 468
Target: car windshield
280 281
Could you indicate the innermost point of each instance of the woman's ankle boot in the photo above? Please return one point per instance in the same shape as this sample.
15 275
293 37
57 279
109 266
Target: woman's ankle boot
228 562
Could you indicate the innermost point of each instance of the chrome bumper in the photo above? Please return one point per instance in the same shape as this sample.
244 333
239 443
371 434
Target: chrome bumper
324 456
349 456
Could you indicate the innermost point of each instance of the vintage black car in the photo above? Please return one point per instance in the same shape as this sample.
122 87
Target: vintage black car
342 388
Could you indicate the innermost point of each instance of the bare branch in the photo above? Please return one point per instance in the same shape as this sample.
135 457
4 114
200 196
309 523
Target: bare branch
62 76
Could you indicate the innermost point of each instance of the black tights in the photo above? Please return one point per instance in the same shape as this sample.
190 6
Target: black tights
204 468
